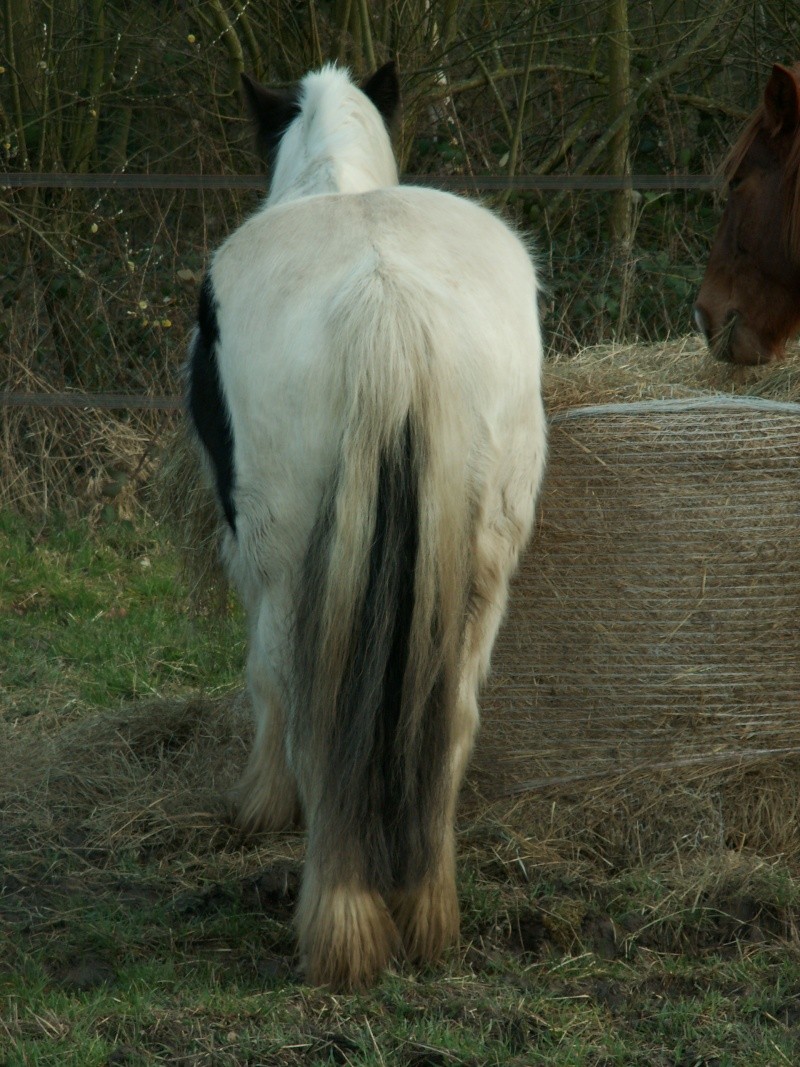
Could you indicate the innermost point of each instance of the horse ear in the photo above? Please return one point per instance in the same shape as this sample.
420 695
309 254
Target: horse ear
782 101
271 110
383 89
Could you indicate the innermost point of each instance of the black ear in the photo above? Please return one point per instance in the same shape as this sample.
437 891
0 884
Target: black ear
383 89
271 110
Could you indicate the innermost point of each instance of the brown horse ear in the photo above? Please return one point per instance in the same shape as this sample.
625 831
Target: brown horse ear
271 110
782 101
383 89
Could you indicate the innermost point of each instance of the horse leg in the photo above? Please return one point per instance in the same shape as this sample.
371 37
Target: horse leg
346 935
427 915
266 796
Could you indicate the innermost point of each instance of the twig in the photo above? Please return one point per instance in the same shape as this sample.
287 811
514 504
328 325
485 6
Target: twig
247 32
230 39
16 99
366 33
499 73
489 79
513 151
686 55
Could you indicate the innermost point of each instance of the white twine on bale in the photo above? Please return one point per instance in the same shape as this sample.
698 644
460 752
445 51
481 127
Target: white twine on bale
655 622
700 401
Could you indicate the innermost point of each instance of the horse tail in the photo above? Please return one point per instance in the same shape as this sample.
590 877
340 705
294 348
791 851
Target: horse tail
383 594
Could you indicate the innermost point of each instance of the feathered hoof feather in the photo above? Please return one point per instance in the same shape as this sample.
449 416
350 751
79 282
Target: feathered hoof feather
255 810
347 937
427 919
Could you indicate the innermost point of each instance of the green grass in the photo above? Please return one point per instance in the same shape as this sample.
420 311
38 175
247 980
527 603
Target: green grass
96 619
122 946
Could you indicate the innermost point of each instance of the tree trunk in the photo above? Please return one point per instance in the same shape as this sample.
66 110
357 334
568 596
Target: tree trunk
621 221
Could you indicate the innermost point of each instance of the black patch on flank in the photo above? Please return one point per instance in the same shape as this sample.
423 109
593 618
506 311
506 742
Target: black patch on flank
272 111
208 409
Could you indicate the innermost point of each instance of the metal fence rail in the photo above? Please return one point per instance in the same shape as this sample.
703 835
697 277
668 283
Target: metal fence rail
479 182
91 401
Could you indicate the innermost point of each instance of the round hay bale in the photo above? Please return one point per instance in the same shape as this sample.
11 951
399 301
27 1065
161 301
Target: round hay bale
655 621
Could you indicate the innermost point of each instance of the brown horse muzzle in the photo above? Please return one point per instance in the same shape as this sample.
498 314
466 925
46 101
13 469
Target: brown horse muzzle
734 341
718 339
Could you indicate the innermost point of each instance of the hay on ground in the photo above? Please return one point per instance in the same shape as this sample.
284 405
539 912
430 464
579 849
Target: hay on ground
149 783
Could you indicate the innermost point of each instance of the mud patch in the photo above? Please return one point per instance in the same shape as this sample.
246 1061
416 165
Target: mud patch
82 973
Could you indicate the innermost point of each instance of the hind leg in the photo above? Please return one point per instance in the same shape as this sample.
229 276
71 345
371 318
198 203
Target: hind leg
346 935
266 797
427 915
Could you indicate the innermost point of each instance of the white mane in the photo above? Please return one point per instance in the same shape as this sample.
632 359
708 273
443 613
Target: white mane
337 144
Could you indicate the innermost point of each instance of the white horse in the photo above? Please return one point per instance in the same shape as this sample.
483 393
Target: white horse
365 381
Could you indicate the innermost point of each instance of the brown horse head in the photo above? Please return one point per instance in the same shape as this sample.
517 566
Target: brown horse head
749 300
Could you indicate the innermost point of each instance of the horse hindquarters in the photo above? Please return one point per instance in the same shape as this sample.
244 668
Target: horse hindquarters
378 631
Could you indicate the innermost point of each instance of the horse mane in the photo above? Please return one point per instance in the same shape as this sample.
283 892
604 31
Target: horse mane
791 177
341 144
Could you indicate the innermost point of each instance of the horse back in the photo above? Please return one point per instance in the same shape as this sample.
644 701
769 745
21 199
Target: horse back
280 282
453 263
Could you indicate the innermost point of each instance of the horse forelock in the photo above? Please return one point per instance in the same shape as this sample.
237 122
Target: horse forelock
327 88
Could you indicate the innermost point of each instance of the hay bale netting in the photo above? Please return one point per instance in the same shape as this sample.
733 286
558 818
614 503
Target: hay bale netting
655 622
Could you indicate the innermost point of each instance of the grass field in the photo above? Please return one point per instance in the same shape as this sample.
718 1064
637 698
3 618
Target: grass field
137 927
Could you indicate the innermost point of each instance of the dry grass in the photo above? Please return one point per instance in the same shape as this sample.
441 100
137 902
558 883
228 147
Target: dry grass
681 368
72 460
182 500
156 756
147 783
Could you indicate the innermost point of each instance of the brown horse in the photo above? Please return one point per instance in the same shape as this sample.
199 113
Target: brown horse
749 301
